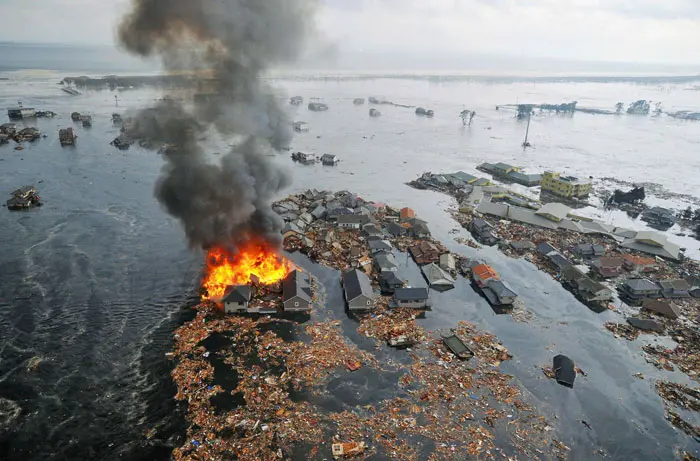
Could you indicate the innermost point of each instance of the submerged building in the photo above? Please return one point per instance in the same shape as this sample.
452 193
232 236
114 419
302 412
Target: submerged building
565 186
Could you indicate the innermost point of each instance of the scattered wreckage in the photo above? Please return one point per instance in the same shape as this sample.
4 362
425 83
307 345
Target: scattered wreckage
374 113
318 107
425 112
24 198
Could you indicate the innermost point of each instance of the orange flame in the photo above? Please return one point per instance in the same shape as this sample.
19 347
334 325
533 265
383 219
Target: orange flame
225 268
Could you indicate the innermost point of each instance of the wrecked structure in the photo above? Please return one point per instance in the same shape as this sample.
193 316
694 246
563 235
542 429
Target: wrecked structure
296 100
304 158
329 159
374 112
425 112
66 137
24 198
640 107
21 113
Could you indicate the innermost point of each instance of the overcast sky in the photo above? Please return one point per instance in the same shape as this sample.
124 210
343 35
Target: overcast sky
653 31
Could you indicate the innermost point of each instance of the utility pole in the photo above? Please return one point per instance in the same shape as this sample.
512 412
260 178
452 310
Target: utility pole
527 131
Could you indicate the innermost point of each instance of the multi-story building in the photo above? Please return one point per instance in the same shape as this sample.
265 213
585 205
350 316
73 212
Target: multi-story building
565 186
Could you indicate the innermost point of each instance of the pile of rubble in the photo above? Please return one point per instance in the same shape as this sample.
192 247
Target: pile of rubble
681 397
10 131
397 327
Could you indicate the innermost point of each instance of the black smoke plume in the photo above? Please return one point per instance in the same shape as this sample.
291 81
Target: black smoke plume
226 45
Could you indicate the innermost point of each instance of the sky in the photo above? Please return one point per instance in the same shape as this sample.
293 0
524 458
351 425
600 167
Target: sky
648 31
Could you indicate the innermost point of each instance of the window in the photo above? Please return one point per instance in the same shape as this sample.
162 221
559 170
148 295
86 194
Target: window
369 303
296 304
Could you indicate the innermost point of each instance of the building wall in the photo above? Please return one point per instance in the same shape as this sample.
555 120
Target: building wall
552 182
296 304
412 304
231 307
361 303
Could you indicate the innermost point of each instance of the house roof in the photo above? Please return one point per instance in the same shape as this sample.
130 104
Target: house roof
560 261
391 278
525 177
329 157
609 261
501 289
545 248
436 275
237 294
484 271
572 273
380 245
411 294
395 229
356 284
557 210
481 182
641 285
665 308
407 213
462 176
584 248
385 260
421 228
502 166
674 284
296 284
479 224
585 284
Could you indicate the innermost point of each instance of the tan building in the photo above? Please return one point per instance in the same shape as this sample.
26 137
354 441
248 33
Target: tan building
566 186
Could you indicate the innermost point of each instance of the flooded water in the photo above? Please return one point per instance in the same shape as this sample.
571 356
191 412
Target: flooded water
94 282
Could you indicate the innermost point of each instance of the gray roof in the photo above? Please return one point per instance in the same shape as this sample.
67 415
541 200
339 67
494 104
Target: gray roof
385 260
353 219
572 273
560 261
665 308
462 176
479 224
545 248
296 284
530 178
411 294
396 229
355 284
380 245
591 286
481 182
641 285
436 275
391 278
421 228
501 289
237 294
587 248
502 166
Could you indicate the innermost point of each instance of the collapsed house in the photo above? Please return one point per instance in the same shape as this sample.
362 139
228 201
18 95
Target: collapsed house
374 112
329 159
317 107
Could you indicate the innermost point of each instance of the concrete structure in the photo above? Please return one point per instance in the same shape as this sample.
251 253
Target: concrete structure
653 243
296 292
447 262
236 299
412 298
358 290
639 289
436 277
565 186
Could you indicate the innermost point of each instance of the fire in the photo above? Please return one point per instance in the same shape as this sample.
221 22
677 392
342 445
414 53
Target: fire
225 268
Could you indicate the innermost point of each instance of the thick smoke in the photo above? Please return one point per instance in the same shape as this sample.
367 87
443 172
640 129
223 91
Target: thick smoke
228 44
